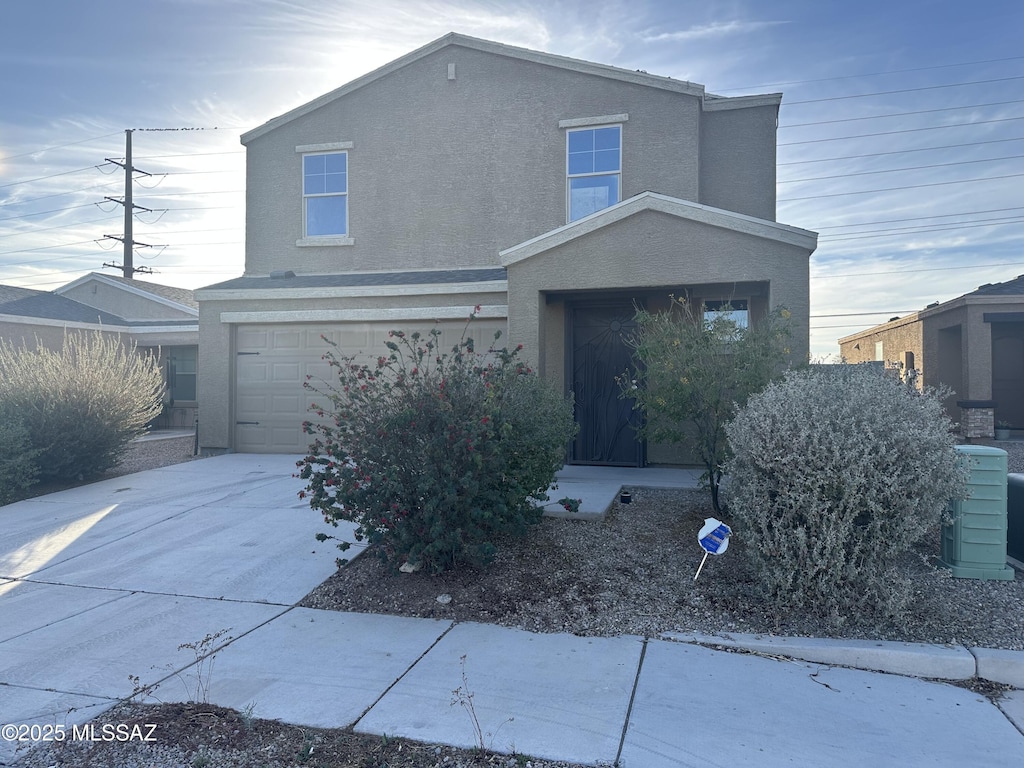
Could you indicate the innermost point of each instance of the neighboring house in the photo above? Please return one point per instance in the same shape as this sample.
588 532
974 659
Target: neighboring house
556 194
153 316
973 344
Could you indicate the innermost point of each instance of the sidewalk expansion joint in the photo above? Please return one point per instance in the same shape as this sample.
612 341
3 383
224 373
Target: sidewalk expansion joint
632 698
399 679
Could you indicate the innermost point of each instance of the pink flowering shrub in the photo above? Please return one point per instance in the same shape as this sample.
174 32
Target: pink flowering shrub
434 455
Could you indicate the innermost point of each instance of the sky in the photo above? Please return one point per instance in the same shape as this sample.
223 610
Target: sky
901 131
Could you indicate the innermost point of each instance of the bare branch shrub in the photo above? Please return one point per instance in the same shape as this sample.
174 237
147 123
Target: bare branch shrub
83 403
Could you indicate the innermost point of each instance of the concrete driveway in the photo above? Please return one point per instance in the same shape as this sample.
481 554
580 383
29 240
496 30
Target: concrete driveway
101 585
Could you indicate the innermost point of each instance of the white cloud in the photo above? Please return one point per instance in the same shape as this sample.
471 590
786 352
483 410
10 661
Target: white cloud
710 31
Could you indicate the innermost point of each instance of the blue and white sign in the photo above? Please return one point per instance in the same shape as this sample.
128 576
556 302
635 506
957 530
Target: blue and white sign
714 540
714 536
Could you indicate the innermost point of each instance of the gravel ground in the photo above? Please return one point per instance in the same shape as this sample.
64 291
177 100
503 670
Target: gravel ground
631 573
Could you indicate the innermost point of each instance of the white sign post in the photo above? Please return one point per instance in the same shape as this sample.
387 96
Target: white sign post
714 540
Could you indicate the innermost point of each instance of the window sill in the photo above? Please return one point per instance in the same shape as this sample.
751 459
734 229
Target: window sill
307 242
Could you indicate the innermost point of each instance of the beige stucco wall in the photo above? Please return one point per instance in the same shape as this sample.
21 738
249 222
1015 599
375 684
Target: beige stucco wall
650 250
123 303
217 340
446 173
737 157
645 258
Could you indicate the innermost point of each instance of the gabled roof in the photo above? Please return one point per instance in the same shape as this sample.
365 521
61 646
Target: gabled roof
12 292
652 201
709 101
50 306
179 298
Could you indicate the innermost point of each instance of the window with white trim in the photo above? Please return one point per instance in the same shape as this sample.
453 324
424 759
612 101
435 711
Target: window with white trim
736 310
593 169
325 194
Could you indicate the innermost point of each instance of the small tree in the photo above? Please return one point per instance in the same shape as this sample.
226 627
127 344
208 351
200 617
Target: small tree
434 455
691 373
838 470
81 404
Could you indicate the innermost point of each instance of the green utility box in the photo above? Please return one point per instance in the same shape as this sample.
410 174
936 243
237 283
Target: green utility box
974 544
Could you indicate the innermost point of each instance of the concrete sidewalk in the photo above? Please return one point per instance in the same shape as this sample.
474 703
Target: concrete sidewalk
104 582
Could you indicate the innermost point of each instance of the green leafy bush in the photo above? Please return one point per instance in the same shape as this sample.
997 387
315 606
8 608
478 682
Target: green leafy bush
837 472
18 471
81 404
434 454
691 373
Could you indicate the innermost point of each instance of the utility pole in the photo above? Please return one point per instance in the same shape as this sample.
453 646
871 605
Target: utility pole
128 267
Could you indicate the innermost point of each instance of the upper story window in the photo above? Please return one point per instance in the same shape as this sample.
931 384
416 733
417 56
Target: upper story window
325 194
594 169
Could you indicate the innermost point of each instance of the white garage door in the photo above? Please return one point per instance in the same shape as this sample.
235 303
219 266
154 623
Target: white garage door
273 361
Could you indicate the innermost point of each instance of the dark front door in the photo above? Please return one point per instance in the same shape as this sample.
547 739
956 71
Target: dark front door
599 354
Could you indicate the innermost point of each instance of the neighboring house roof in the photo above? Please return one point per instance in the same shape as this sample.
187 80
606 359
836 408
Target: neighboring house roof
651 201
50 306
12 292
709 101
992 291
1013 287
164 293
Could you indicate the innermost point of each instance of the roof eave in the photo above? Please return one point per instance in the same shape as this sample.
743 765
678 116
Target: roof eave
652 201
539 57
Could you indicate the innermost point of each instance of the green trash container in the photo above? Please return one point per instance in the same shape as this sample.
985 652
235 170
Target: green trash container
974 544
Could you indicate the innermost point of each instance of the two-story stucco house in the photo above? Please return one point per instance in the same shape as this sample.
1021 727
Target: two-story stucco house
555 193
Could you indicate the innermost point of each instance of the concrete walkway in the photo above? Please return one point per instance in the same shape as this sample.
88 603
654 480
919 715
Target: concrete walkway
105 582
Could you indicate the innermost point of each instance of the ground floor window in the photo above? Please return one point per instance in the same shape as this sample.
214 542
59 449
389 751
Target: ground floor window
181 372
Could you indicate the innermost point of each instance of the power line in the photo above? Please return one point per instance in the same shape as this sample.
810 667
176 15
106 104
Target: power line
904 130
904 90
51 176
901 114
28 200
47 247
867 314
908 168
917 271
920 230
900 151
191 154
60 146
920 218
897 189
43 213
50 229
873 74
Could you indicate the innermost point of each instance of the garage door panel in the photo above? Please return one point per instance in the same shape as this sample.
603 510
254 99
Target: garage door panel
287 340
287 373
251 338
273 363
